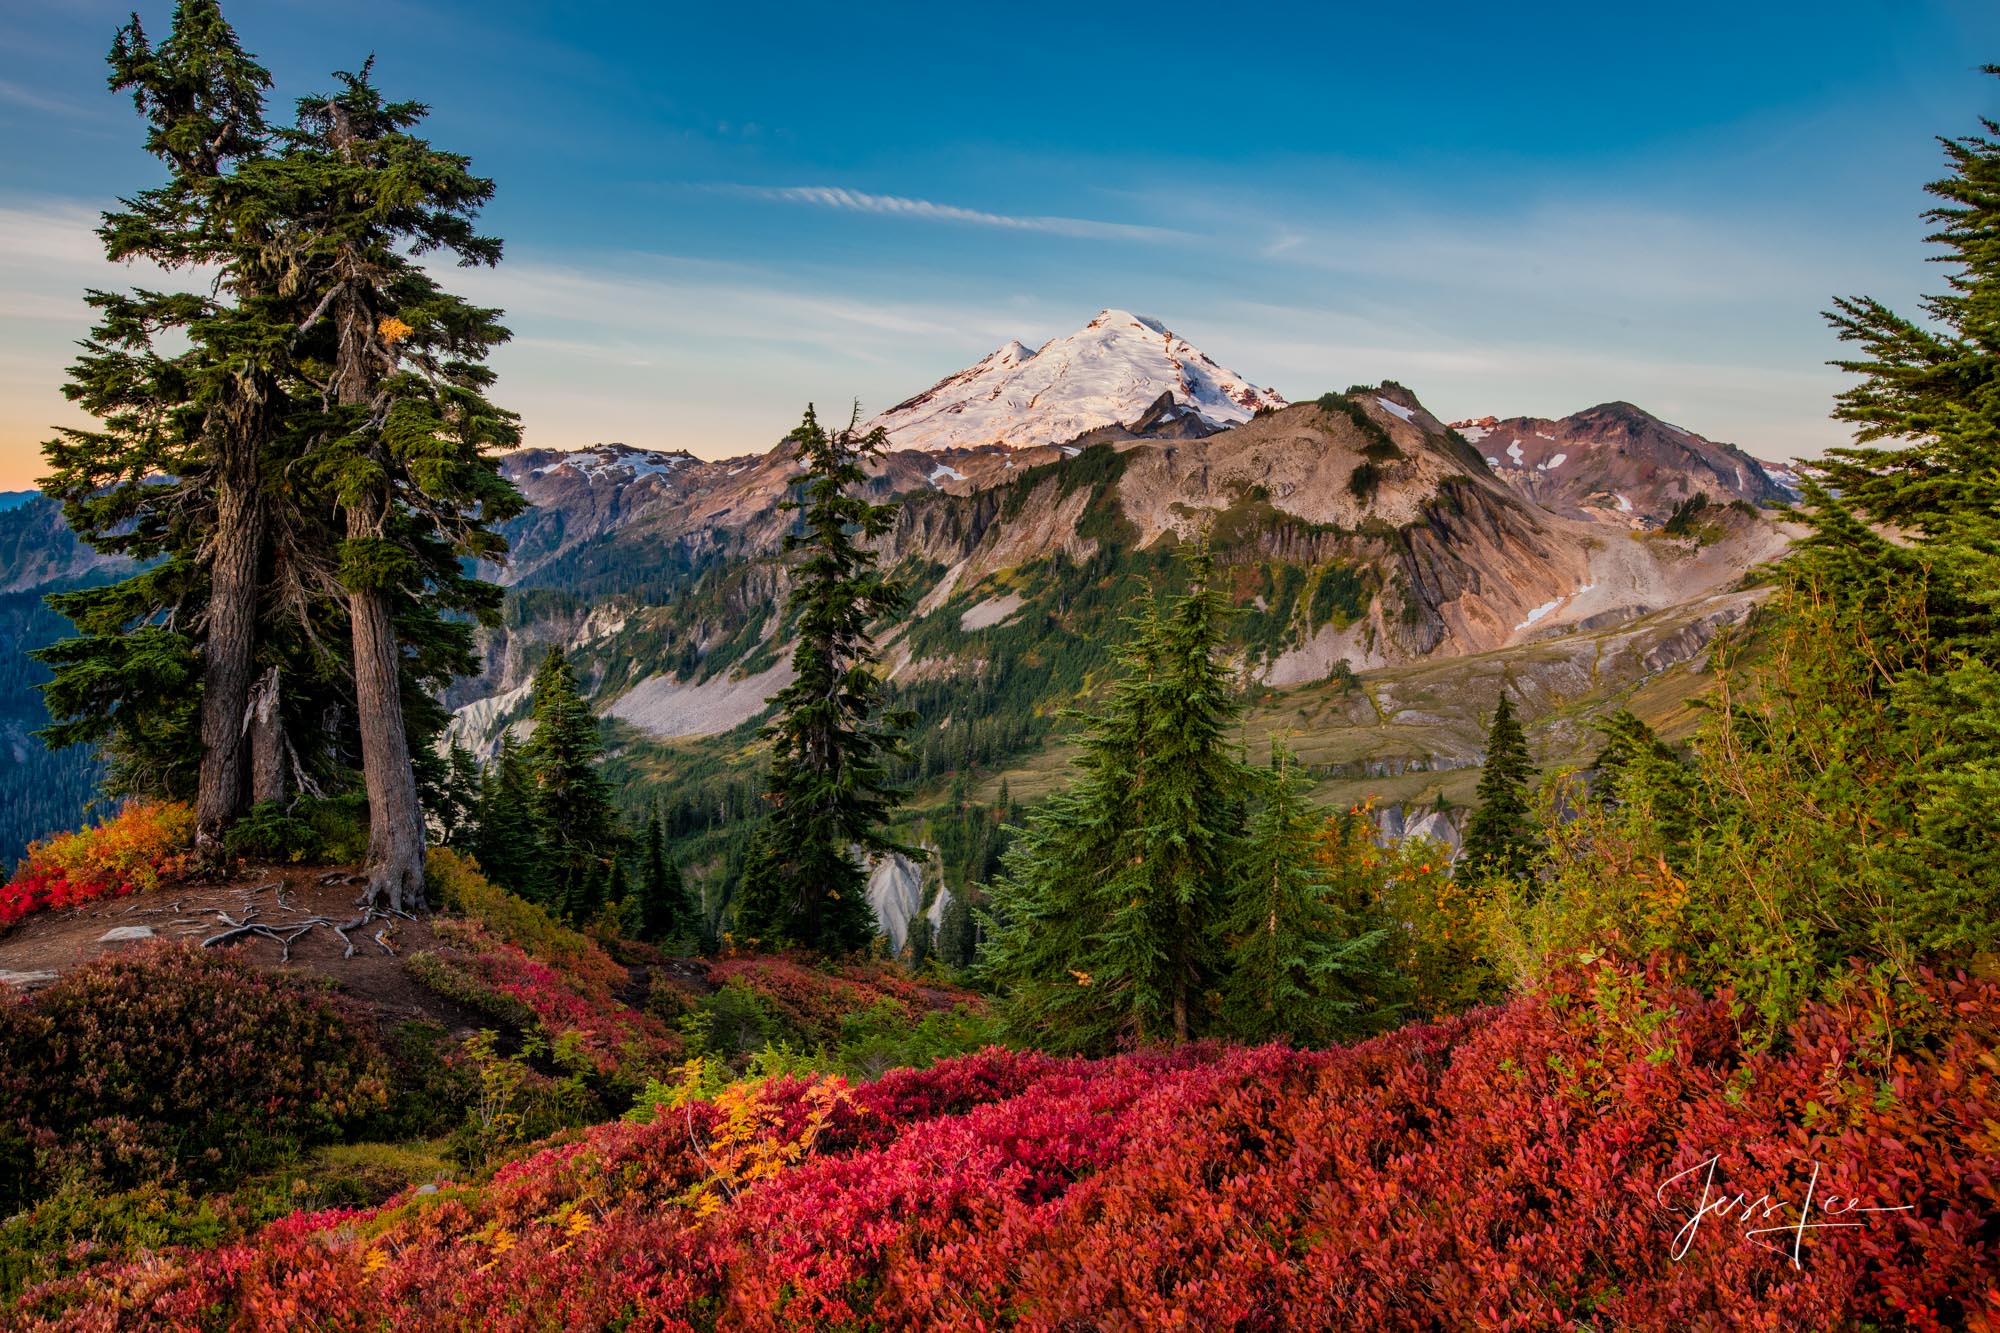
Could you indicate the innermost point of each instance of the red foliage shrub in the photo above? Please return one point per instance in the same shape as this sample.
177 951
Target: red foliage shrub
1514 1169
517 960
139 849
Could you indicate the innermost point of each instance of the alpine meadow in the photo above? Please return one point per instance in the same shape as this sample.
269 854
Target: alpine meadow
1097 843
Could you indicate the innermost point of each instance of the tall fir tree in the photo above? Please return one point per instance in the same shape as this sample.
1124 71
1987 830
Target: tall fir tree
829 789
1919 610
186 387
508 843
1303 965
1106 917
666 910
402 446
573 814
1500 837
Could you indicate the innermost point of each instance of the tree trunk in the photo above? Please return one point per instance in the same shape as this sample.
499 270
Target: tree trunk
395 864
267 758
395 867
228 646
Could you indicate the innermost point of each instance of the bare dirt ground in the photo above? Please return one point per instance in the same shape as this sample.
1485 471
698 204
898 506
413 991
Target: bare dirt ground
281 899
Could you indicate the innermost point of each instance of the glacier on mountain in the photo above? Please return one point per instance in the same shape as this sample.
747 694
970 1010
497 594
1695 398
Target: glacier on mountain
1105 374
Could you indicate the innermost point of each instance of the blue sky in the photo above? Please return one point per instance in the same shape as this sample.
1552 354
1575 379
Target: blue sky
715 213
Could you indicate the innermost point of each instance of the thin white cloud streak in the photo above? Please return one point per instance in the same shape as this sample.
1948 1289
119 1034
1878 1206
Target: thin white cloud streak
889 205
14 94
1541 310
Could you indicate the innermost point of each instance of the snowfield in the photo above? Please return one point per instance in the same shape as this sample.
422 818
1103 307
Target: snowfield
1107 373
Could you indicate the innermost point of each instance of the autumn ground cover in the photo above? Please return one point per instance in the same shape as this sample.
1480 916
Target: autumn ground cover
139 848
1535 1165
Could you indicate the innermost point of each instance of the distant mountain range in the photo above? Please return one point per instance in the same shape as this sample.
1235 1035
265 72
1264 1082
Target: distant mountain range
1392 571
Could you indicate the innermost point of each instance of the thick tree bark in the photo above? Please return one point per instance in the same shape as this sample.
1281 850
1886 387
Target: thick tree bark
228 647
395 867
266 737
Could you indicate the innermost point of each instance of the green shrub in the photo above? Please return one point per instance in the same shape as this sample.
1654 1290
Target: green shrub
1364 481
312 830
176 1064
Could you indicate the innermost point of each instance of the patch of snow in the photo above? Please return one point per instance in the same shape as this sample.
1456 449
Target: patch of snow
1558 461
1070 451
1474 434
1107 373
1491 461
941 473
1396 409
1548 607
1540 611
616 460
1544 435
1624 505
1514 452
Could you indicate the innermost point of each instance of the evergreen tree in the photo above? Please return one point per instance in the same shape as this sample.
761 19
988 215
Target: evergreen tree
1639 774
666 911
1500 836
1301 965
185 387
1105 921
400 447
828 786
585 895
573 815
508 844
958 930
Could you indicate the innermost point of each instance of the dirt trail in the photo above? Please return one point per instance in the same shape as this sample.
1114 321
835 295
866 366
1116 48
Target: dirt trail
282 898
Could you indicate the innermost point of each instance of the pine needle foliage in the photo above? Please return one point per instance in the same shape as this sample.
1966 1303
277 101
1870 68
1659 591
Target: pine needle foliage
573 814
1304 965
1500 836
832 736
1128 906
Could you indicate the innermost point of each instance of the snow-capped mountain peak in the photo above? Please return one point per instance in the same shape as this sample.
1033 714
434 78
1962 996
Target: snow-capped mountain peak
1106 373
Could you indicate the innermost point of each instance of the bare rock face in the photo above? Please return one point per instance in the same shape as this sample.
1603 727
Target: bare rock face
896 892
669 578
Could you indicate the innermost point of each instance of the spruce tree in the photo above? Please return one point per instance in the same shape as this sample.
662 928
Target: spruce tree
400 449
573 815
828 788
185 386
1639 775
1105 920
666 911
508 844
958 930
1500 837
1302 964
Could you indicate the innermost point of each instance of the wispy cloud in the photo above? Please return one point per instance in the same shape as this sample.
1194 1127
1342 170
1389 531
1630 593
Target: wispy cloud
890 205
15 94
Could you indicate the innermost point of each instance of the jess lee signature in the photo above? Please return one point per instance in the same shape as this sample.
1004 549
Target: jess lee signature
1743 1209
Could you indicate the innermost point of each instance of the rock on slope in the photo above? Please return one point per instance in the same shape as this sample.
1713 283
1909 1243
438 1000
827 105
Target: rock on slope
1616 463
